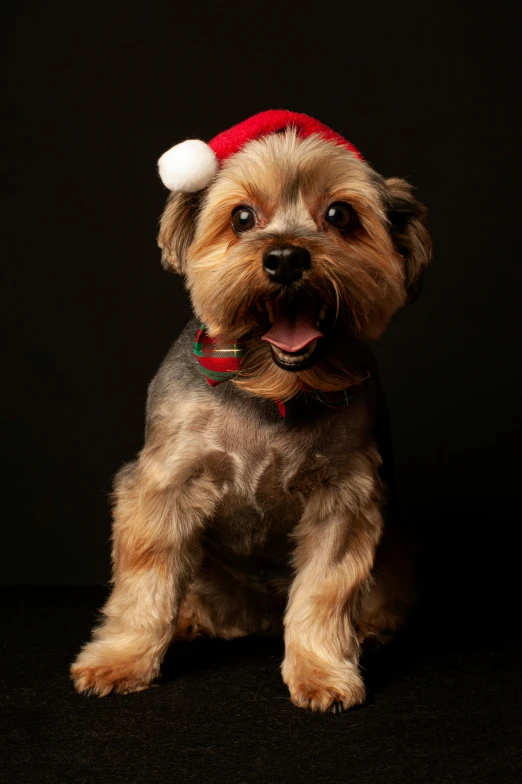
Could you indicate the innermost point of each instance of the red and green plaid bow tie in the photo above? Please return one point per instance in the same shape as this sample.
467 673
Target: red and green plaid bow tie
222 361
219 361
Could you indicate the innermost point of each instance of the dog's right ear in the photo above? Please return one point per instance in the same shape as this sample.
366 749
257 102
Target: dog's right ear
177 227
408 220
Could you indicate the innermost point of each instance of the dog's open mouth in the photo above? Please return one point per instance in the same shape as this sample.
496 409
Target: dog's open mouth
294 331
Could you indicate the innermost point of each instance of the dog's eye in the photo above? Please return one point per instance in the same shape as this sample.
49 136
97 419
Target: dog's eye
340 215
243 218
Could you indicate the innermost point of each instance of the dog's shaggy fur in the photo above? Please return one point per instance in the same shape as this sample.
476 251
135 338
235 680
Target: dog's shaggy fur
234 520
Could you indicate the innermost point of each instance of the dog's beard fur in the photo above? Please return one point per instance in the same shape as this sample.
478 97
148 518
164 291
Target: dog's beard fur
360 275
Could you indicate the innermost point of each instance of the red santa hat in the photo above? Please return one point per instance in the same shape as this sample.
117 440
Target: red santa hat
192 165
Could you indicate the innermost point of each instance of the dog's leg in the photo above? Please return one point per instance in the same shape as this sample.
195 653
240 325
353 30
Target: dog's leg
334 556
155 553
385 607
196 620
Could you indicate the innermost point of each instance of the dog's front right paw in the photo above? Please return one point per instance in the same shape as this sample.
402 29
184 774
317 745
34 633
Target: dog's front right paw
320 685
101 668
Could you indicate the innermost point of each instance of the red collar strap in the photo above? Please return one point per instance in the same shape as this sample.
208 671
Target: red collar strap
222 362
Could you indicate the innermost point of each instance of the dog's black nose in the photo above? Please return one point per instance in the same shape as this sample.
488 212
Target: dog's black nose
286 263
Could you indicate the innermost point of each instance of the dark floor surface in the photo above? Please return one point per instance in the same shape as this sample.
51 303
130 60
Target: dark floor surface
441 708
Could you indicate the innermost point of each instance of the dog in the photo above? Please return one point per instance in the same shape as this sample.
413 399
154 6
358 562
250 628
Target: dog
259 502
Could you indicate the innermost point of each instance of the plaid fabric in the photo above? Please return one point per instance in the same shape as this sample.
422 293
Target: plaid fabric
222 361
219 361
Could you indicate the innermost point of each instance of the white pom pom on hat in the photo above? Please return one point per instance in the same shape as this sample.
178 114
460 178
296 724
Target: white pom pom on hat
192 165
188 166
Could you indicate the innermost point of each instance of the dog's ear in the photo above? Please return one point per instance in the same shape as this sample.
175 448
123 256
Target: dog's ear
409 230
177 226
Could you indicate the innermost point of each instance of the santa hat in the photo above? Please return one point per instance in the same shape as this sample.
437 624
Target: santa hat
192 165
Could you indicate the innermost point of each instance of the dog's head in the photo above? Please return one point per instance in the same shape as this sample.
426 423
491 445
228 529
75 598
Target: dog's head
302 252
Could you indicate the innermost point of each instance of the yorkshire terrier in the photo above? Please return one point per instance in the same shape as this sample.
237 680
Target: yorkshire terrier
257 504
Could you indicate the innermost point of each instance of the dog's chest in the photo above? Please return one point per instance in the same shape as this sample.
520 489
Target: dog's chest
266 492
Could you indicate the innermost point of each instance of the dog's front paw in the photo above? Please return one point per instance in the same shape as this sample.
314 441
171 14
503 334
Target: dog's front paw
101 668
320 685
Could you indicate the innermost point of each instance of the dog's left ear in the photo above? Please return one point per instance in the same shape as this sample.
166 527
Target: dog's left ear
408 220
177 226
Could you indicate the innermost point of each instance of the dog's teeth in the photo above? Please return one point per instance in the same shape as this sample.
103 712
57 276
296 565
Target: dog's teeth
321 314
289 358
270 311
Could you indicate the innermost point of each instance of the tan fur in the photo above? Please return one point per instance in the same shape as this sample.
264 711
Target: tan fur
232 521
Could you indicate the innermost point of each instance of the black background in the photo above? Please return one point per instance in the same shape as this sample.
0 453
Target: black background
96 92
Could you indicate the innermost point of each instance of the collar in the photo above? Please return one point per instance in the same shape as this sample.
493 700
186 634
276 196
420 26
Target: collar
222 362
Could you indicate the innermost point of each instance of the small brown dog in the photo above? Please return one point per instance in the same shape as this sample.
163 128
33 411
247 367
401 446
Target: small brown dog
257 505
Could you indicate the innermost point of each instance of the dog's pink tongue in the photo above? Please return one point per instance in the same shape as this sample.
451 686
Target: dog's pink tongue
293 328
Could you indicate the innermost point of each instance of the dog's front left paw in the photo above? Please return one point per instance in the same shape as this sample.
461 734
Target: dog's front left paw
322 686
100 669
